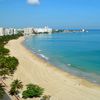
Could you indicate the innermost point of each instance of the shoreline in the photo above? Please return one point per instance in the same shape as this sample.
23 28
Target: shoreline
86 82
48 75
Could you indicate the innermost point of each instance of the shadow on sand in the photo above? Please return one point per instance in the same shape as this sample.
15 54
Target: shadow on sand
6 97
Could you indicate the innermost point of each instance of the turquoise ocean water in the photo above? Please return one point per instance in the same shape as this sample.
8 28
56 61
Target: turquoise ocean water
76 53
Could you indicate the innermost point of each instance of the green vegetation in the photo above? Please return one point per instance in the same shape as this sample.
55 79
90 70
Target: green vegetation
4 39
32 91
3 51
46 97
8 64
15 86
2 92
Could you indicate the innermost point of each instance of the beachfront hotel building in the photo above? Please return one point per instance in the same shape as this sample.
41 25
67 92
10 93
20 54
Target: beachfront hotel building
28 31
11 31
2 31
7 31
46 29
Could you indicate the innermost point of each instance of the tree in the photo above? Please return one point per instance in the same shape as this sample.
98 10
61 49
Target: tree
4 39
32 91
2 92
3 69
15 86
4 72
11 63
8 65
4 51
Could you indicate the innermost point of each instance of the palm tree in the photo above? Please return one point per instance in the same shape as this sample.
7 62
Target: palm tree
2 92
15 86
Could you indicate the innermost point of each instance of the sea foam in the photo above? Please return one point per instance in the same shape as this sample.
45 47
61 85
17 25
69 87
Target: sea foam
43 56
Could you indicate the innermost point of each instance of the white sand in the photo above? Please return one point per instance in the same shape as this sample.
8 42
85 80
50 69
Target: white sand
58 84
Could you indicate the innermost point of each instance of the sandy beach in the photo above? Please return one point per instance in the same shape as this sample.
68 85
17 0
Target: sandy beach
58 84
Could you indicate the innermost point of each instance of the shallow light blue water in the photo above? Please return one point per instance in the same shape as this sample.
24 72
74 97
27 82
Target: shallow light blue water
77 53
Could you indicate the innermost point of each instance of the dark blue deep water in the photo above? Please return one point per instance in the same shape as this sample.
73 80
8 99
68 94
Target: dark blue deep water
76 53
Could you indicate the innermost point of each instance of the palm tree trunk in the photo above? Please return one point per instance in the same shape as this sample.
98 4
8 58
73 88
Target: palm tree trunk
3 83
16 97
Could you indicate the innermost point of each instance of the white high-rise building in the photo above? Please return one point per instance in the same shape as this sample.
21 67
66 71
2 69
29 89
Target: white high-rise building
43 30
2 31
11 31
15 31
7 31
28 31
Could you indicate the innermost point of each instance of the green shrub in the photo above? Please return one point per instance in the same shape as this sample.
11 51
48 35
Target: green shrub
32 91
4 51
46 97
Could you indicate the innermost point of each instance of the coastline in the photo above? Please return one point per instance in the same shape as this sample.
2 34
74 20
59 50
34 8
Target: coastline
57 83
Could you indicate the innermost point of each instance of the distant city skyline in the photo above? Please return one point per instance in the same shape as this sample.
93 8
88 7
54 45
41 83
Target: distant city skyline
54 13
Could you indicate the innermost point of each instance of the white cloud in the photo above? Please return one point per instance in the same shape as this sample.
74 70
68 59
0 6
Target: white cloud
33 2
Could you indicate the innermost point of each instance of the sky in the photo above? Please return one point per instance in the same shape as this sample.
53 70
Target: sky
54 13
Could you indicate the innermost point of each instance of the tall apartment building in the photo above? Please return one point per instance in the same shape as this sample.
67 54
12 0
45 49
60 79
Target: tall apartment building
7 31
28 31
43 30
2 31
